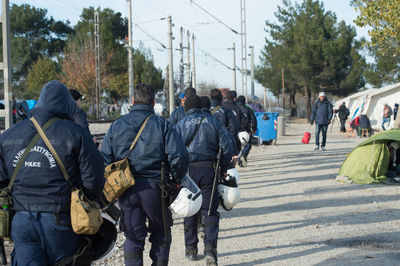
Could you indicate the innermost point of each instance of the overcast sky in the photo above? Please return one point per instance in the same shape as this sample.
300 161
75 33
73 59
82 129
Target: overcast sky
211 37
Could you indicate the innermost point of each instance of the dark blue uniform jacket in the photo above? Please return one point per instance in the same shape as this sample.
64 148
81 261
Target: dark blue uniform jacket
249 119
158 143
226 117
177 115
210 137
40 185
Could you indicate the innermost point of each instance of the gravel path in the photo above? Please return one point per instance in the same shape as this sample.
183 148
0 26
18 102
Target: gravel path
293 212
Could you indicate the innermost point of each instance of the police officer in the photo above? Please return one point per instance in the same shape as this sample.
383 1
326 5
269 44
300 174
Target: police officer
250 126
158 143
230 103
225 115
178 114
205 108
204 136
79 116
41 227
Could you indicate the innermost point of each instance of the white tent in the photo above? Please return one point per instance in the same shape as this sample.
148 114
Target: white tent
371 101
376 100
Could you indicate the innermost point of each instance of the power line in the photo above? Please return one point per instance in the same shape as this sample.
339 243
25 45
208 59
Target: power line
181 22
211 15
216 59
150 36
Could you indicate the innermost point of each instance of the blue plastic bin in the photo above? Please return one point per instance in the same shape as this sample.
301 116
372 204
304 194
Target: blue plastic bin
266 126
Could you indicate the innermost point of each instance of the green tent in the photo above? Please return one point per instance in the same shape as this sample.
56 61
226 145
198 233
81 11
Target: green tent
369 161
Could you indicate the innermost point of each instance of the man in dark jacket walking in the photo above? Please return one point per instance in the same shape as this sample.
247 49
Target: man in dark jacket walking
158 143
41 227
322 115
230 103
79 116
250 126
224 115
204 136
178 114
343 114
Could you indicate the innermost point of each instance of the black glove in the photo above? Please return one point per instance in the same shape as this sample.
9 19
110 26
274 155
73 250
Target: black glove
312 122
329 121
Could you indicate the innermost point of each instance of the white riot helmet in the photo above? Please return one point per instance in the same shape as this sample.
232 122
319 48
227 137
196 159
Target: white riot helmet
256 141
244 137
189 200
228 190
233 173
158 109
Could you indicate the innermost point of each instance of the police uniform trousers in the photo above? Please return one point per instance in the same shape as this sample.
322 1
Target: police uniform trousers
246 150
138 203
203 177
42 238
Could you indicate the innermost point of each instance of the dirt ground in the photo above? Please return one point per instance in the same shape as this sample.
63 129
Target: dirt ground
293 212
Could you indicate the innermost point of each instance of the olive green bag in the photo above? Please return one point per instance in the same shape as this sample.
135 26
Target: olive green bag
118 174
85 214
6 204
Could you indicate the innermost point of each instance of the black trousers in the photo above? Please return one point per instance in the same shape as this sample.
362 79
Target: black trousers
343 125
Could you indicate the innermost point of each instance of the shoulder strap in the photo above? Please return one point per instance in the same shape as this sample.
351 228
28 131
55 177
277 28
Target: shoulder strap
195 132
138 135
26 152
52 150
216 109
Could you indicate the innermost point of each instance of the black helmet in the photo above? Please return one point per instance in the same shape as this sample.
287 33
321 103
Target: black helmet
104 240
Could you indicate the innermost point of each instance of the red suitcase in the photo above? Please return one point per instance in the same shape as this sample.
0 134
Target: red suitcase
306 138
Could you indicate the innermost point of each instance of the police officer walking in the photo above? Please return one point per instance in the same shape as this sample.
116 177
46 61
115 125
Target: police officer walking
204 136
225 115
159 143
249 125
41 227
178 114
230 103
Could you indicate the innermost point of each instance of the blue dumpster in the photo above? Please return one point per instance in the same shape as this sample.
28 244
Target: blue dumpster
266 126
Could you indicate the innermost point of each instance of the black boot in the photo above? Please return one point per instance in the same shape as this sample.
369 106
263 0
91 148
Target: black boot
210 253
191 254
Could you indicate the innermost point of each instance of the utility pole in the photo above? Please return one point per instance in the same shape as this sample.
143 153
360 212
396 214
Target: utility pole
252 70
97 58
234 66
171 68
6 65
265 99
194 64
283 88
244 45
188 82
181 64
130 53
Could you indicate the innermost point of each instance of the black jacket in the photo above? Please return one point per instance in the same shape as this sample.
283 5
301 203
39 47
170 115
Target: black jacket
158 143
80 118
177 115
343 112
209 138
249 119
226 117
238 114
322 112
364 122
40 185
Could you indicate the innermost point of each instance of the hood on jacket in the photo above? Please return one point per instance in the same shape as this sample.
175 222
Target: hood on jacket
56 100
